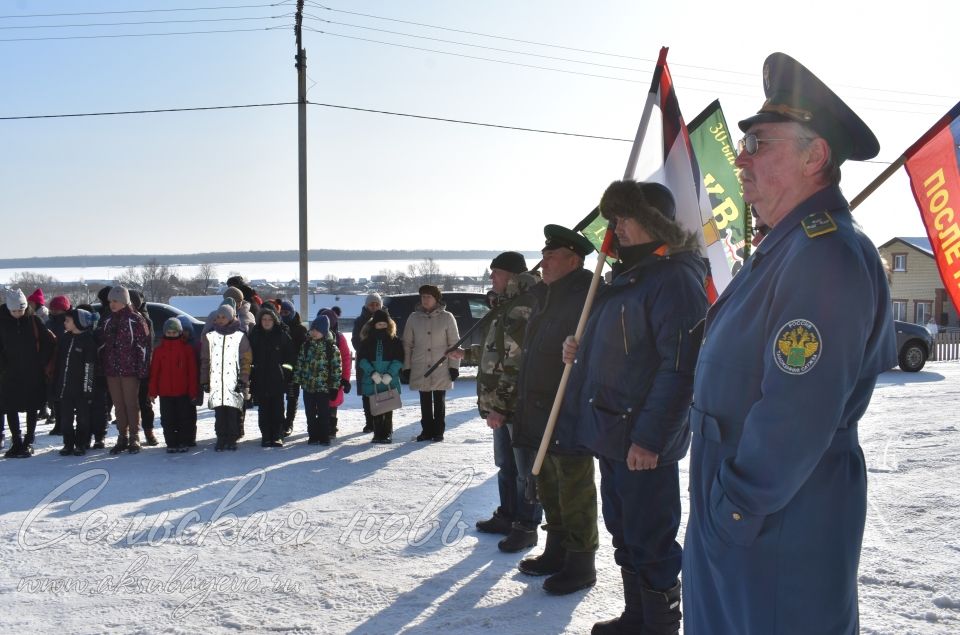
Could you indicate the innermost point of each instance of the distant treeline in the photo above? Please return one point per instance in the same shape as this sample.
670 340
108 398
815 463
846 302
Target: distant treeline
289 255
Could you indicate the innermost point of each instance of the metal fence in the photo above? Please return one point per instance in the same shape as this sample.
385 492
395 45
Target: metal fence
946 347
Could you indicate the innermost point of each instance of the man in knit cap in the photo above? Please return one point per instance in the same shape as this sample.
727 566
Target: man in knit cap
498 358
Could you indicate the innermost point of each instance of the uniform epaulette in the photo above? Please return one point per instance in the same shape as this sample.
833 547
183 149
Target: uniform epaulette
818 224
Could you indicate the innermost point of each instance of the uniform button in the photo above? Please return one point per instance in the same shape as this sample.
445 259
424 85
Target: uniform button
629 409
428 332
590 401
737 516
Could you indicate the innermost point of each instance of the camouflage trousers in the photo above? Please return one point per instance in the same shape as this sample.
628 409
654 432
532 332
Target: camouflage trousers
568 492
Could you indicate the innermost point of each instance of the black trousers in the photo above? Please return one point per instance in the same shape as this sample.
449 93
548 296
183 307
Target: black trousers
433 410
317 406
270 416
176 420
146 406
383 426
227 423
99 411
293 397
13 422
68 408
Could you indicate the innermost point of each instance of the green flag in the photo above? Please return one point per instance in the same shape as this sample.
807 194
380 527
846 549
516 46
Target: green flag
715 151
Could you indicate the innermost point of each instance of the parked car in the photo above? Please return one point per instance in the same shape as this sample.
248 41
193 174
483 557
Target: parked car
914 344
159 313
467 308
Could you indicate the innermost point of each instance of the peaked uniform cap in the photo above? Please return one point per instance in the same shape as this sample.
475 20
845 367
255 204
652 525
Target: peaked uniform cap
795 94
559 237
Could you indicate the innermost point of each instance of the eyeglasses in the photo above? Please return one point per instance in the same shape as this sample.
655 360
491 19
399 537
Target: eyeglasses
751 143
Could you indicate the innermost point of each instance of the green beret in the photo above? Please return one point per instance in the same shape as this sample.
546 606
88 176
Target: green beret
795 94
560 237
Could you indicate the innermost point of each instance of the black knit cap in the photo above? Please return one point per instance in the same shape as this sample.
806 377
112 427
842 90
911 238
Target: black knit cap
511 261
380 316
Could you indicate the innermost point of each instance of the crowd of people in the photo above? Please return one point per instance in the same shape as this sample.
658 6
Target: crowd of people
765 387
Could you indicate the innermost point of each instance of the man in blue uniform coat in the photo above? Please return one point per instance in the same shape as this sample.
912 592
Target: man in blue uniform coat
791 353
629 393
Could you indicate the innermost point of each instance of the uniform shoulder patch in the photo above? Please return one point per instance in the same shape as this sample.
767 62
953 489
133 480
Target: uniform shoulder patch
818 224
797 347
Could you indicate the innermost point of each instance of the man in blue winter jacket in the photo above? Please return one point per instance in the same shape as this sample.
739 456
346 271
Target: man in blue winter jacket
790 357
629 392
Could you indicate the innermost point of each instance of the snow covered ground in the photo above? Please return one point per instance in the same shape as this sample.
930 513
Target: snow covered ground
363 538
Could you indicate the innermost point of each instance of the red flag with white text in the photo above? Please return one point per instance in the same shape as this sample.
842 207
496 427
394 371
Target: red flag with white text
933 163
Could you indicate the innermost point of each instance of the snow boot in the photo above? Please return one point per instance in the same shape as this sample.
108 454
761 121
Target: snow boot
333 428
496 524
631 620
98 443
550 561
16 446
579 572
121 444
519 538
151 438
134 447
661 611
67 450
27 450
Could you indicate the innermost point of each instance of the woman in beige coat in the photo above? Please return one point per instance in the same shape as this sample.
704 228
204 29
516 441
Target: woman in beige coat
429 332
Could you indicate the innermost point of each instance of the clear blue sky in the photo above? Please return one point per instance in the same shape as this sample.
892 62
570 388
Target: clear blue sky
212 181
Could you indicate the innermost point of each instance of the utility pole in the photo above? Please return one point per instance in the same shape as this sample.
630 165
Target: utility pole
301 65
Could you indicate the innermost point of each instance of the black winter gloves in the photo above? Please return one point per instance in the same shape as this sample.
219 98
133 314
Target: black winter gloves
454 373
205 387
405 376
345 384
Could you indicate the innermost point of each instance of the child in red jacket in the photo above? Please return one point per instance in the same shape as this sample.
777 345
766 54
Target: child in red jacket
173 377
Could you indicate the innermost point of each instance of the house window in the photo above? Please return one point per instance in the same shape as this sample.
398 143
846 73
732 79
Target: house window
900 310
924 311
899 262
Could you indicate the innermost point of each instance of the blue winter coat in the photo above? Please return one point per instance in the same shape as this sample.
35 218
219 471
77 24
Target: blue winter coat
633 375
382 355
791 354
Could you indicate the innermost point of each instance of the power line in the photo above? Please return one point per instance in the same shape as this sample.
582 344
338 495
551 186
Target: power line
143 112
341 107
70 26
317 5
119 35
312 103
604 53
575 61
475 57
216 8
710 91
470 123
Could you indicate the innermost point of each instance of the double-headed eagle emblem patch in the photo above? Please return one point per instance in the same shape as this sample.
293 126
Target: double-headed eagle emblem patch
797 347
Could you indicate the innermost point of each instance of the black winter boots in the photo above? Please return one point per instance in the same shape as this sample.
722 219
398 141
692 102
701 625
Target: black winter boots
646 611
631 620
519 538
121 444
496 524
550 561
661 611
578 572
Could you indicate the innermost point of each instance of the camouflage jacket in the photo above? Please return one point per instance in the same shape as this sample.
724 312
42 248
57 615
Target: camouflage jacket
498 358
